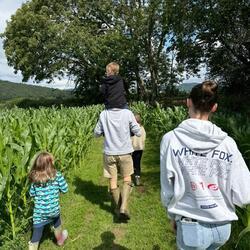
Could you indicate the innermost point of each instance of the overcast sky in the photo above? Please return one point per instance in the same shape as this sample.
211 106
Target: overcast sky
8 8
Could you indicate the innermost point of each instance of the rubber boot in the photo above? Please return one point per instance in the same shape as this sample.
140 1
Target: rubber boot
33 245
116 200
125 192
61 235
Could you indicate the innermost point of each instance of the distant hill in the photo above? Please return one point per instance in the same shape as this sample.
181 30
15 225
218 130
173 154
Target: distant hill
187 86
10 90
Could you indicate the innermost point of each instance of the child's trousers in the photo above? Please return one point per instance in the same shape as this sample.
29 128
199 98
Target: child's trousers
136 155
38 229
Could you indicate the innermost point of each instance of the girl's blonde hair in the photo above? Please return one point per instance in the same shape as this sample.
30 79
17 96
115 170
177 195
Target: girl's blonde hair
138 118
42 168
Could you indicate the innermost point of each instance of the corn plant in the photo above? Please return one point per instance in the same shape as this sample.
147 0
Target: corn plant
65 132
244 214
158 120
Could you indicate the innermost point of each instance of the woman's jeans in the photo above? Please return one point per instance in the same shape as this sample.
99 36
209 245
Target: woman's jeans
200 236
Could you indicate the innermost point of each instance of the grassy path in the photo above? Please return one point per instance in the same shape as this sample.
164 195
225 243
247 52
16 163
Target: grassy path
87 215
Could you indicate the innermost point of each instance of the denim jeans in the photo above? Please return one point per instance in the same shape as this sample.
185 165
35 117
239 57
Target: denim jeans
192 235
38 230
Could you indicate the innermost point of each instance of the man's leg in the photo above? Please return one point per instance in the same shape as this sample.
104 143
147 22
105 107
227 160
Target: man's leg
126 168
115 193
110 171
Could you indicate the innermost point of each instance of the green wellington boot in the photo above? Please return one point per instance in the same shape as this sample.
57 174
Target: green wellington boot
125 192
33 245
116 200
61 235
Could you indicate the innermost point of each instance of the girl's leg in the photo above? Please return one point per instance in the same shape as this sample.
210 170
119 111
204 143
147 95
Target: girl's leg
37 234
137 162
61 235
36 237
137 166
57 222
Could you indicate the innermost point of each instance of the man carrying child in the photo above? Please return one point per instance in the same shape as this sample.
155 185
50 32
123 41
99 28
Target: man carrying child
117 123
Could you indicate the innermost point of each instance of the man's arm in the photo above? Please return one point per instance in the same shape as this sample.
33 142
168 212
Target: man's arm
98 131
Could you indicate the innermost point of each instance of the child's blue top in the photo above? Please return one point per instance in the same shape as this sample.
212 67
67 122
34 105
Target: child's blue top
46 197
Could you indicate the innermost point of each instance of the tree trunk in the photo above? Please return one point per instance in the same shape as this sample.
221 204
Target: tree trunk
143 95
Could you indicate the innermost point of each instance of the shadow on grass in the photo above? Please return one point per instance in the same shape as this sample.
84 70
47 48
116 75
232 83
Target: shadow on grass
108 242
94 193
156 247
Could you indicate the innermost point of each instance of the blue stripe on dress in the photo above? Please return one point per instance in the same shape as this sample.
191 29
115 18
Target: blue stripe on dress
47 198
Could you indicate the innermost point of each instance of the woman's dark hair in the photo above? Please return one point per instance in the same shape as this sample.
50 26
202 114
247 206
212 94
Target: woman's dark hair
204 96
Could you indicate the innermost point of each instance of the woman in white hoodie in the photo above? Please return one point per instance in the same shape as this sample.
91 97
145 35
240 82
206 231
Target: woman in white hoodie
203 175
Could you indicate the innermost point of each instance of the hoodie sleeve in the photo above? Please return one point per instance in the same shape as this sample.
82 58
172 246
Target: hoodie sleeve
167 174
240 182
98 131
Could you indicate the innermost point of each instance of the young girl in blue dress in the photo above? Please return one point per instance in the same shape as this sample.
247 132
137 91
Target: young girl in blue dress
46 185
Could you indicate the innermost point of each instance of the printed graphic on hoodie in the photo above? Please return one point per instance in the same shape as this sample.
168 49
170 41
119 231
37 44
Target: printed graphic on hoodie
201 172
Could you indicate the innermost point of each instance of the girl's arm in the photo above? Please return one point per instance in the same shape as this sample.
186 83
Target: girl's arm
63 186
32 191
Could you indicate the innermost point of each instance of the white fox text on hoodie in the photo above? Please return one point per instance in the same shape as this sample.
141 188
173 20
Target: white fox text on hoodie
203 174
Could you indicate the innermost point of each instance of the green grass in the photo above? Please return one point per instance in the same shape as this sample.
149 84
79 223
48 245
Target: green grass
87 215
86 209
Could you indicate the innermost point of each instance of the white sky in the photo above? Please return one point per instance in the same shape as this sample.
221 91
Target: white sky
8 8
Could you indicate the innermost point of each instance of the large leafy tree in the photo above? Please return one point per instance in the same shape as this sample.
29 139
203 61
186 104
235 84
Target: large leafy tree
216 32
48 38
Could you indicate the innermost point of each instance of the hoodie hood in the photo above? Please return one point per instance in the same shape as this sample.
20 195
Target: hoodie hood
200 136
113 79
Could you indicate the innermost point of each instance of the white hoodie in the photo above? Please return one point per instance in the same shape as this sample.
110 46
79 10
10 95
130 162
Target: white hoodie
116 125
203 174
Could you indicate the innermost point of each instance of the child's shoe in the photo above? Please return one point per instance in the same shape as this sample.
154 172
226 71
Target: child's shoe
33 245
137 180
61 235
64 236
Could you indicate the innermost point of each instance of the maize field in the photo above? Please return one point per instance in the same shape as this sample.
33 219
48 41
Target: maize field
67 134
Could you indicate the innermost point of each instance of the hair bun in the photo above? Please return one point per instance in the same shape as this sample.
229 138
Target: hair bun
204 95
209 87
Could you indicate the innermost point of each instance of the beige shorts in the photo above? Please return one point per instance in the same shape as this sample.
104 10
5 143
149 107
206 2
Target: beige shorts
114 164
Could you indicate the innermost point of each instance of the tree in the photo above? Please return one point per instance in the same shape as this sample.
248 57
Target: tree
216 32
78 38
